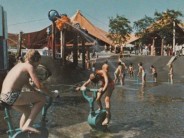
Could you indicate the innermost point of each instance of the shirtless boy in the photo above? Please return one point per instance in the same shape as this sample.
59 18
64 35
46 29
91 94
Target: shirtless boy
106 88
171 73
119 73
142 73
131 70
11 94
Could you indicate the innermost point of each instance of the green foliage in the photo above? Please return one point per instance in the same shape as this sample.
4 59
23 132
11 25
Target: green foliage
141 25
168 16
119 29
161 25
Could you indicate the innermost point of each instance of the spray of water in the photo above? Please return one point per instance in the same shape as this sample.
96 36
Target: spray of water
90 39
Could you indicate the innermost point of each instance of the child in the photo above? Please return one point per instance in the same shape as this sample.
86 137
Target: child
13 83
154 73
93 65
118 73
131 70
142 73
106 88
171 73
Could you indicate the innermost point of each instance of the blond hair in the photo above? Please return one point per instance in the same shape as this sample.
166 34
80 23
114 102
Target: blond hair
32 56
105 67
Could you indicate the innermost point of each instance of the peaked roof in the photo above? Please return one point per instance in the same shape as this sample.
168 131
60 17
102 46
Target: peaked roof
92 30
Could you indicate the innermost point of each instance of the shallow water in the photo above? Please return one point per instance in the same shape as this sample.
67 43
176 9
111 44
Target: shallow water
153 111
136 112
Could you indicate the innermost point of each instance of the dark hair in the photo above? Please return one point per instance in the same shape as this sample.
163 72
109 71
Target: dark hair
36 57
140 63
119 63
96 78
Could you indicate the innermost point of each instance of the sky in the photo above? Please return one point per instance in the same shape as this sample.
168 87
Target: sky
32 15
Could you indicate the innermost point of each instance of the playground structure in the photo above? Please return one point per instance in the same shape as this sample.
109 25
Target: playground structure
75 41
95 117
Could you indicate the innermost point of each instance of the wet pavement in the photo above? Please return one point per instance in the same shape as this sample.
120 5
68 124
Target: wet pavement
136 112
153 111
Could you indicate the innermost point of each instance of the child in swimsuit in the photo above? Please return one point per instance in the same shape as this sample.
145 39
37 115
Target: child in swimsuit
118 73
106 88
154 73
142 73
15 80
131 70
171 73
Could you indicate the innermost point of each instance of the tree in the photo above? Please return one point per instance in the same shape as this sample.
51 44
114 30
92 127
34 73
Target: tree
141 29
119 29
168 17
141 25
164 24
161 24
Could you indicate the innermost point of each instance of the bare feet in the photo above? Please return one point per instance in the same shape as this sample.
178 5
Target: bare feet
105 122
77 89
31 129
99 109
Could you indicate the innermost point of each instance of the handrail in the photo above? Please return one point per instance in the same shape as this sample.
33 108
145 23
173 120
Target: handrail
90 99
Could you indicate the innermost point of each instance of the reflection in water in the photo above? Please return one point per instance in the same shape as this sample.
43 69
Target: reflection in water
141 92
119 94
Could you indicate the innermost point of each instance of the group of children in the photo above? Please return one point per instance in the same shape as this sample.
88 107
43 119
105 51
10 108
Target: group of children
108 84
121 69
20 74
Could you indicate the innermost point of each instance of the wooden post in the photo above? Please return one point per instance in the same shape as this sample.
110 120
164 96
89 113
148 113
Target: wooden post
75 51
19 49
153 48
88 53
83 55
162 47
174 39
